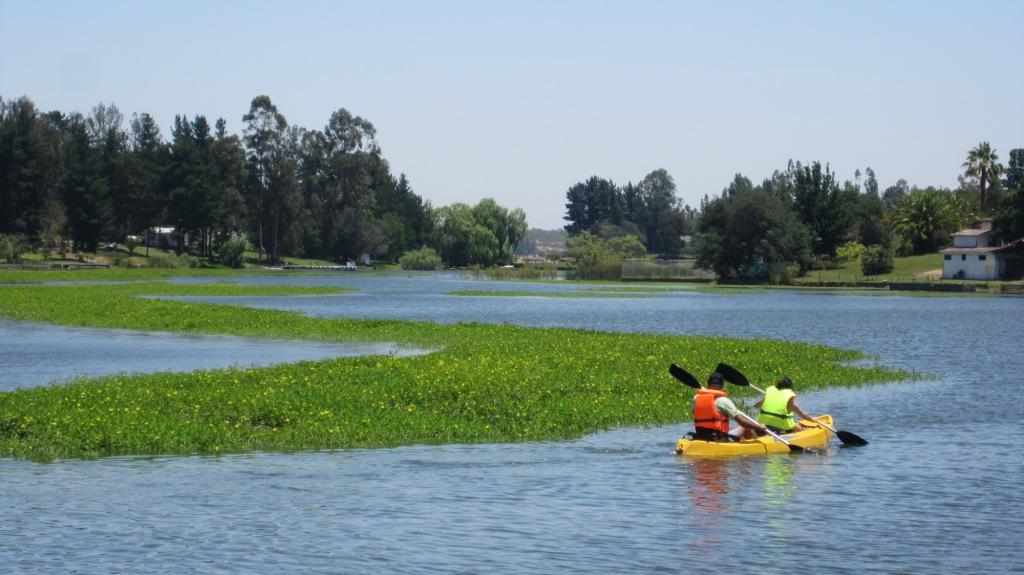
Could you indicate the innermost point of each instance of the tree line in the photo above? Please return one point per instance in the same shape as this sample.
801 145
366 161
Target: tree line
69 178
797 219
648 210
286 190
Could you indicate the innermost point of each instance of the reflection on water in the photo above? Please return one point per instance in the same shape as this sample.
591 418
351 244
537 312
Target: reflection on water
708 484
779 486
778 482
718 491
705 481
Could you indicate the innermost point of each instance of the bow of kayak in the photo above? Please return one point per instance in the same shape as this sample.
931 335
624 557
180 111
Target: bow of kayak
811 436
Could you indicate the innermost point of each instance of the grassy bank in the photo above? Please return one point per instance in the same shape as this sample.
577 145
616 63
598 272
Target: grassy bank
488 383
117 274
909 268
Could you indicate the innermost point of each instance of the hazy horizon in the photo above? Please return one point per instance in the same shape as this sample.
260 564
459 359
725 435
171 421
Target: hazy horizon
519 101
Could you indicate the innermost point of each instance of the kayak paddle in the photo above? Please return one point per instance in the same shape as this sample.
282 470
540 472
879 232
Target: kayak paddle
733 376
684 376
688 379
792 448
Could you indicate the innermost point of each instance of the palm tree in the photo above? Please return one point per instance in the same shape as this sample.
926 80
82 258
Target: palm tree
983 163
925 217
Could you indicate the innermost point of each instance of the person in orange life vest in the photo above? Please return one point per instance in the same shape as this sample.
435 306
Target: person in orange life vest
712 410
778 406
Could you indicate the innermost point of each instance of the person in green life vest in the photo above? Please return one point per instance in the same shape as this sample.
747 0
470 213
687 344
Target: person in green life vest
778 406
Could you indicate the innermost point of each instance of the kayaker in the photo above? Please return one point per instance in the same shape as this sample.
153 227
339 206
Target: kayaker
778 406
712 410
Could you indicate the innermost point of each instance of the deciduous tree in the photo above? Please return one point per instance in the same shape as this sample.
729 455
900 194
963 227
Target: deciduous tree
822 207
752 233
272 165
591 202
1009 219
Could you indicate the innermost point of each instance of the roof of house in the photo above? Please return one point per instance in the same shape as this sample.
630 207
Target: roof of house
972 232
988 250
1007 247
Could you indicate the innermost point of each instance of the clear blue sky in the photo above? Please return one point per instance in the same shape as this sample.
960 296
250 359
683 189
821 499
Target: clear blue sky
518 100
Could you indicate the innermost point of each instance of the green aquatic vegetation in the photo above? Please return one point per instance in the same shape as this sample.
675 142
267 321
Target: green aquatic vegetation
639 289
486 383
526 293
223 289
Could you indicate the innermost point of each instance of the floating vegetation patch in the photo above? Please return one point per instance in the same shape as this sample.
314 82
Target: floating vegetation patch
487 383
617 289
526 293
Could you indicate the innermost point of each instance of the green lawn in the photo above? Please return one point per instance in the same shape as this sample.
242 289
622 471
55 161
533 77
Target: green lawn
910 268
159 264
251 258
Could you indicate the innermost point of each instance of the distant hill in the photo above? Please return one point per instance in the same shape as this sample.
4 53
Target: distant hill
542 242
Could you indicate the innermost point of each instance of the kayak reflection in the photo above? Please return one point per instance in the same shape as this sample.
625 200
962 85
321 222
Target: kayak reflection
709 484
778 481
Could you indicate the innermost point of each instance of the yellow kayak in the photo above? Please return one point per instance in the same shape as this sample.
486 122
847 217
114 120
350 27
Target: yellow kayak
812 436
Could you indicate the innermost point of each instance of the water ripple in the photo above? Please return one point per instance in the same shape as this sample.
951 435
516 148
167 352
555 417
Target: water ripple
937 491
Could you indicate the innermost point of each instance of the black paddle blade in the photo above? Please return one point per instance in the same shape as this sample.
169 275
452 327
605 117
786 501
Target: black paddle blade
795 448
850 439
732 375
683 376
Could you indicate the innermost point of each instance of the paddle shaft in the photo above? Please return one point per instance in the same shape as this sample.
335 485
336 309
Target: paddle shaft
772 433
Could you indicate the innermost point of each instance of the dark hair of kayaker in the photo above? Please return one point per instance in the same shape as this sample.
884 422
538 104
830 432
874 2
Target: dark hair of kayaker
784 383
716 379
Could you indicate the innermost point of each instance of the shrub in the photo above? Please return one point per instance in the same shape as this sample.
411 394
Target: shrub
783 273
132 242
527 272
232 253
190 261
876 260
602 269
850 251
117 259
12 246
421 259
7 254
166 261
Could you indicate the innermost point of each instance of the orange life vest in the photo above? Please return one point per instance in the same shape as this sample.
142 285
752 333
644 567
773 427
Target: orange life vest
704 413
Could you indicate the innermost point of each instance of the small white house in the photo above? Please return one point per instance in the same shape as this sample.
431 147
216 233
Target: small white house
976 254
531 260
164 238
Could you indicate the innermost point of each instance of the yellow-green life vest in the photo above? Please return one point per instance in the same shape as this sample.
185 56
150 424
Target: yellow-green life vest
775 408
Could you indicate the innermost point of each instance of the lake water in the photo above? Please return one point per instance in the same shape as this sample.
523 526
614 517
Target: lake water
34 354
937 491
